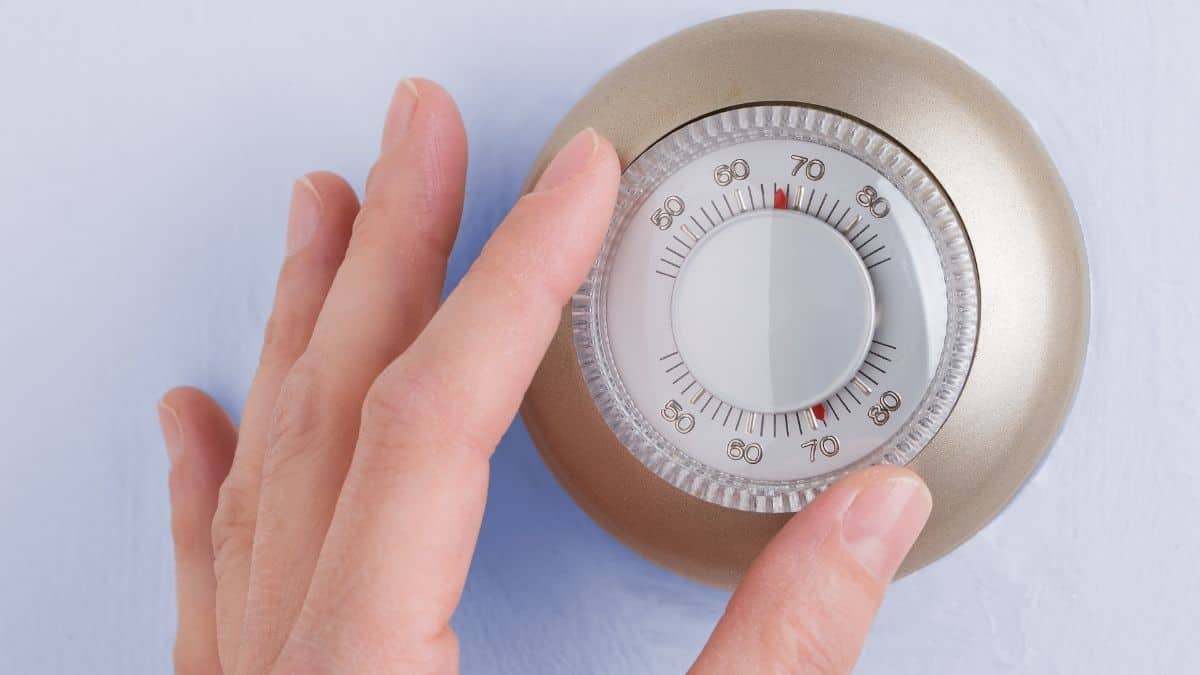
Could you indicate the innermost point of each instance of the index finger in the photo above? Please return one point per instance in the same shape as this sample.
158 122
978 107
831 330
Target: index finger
404 530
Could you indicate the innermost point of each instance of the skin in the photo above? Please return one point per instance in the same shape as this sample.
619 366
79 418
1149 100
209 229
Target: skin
323 535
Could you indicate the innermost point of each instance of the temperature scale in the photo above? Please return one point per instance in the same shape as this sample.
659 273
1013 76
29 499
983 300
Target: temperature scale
835 245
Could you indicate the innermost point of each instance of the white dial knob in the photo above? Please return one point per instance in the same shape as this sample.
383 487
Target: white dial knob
774 311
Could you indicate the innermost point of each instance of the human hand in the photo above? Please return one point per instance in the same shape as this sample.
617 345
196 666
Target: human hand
333 531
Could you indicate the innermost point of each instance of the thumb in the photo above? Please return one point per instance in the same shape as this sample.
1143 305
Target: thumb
807 601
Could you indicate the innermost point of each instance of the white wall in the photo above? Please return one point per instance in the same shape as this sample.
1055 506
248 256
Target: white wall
146 150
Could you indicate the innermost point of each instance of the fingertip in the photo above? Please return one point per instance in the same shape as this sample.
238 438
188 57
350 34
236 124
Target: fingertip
197 432
424 138
557 228
884 519
335 193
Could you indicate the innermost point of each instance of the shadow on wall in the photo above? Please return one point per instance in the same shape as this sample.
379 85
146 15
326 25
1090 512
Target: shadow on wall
548 586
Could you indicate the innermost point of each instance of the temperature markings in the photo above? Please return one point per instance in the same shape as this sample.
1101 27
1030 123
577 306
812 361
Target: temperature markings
830 408
832 210
843 402
860 233
812 418
874 355
838 224
866 243
872 365
853 231
822 204
729 206
862 387
868 378
672 273
853 223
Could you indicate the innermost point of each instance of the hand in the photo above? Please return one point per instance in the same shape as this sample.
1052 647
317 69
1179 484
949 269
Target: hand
332 532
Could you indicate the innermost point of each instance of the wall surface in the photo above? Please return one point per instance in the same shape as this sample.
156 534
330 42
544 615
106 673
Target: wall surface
146 152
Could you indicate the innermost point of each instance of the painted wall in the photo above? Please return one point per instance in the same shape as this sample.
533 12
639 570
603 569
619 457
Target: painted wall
146 151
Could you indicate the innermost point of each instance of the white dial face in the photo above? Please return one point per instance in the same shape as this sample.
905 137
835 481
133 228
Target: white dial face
785 294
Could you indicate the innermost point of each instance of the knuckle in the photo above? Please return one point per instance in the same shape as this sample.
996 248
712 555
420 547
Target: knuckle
404 410
233 525
296 420
798 640
424 235
396 407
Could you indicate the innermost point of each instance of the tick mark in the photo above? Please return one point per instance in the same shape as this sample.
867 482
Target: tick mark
830 407
861 386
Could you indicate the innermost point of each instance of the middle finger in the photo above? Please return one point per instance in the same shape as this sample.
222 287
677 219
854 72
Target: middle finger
384 293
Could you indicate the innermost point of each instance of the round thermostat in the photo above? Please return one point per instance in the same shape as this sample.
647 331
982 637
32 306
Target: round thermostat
835 245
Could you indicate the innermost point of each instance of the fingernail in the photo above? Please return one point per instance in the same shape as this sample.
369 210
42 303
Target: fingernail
304 215
400 112
569 161
883 521
172 431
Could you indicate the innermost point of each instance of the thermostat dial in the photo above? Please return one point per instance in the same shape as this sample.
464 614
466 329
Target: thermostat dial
784 293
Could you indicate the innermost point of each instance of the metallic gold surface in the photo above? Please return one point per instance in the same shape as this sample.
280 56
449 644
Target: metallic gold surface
1028 249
